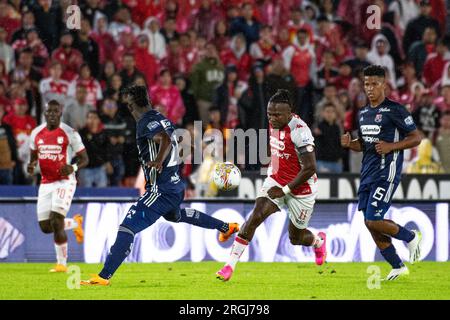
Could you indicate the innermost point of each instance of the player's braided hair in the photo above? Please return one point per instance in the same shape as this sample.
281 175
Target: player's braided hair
374 70
138 94
282 96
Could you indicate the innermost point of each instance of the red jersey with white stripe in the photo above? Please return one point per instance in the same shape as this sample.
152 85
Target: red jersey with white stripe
55 148
285 162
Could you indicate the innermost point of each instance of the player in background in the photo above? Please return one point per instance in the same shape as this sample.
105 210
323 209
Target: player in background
53 144
386 128
158 154
291 181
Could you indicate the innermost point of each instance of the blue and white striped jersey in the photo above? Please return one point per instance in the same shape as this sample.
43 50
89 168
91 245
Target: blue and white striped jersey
390 122
151 123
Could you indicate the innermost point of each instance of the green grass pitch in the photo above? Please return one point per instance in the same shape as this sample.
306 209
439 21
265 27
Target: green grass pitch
251 281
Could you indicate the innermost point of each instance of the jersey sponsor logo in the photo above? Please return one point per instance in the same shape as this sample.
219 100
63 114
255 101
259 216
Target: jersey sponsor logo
50 149
165 123
153 125
384 110
280 155
370 129
175 178
52 157
378 118
277 144
370 139
60 140
409 121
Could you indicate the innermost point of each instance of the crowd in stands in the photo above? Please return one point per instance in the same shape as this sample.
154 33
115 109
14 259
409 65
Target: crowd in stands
219 62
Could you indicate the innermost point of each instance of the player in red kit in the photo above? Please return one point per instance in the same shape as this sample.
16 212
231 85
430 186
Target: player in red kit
291 182
53 144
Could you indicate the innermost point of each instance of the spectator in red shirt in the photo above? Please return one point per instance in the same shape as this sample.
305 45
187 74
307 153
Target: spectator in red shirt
265 49
300 60
206 18
105 41
166 96
344 77
296 23
435 63
237 55
20 122
443 102
53 87
93 88
145 61
221 37
126 45
70 58
189 52
32 41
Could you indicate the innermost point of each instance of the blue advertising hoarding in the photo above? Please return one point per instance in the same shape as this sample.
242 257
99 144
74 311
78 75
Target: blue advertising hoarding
348 239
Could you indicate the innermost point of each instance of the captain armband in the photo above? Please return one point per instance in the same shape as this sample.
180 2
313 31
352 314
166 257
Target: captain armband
306 149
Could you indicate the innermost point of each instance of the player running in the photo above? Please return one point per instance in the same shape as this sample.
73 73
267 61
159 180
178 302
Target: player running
158 154
53 144
385 129
291 181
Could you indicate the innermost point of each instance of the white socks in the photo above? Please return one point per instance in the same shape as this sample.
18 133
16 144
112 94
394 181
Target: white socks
70 224
61 253
318 241
238 248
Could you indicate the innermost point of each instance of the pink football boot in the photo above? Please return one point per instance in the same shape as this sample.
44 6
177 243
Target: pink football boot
321 252
225 273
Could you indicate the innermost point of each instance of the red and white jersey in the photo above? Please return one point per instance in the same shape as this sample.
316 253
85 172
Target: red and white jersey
55 149
285 162
51 89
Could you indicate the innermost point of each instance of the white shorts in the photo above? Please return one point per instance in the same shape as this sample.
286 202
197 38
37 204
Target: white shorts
56 196
300 209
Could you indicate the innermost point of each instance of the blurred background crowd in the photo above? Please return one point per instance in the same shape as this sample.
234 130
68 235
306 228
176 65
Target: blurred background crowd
219 62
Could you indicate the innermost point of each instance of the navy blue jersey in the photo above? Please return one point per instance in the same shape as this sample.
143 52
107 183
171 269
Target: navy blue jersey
389 122
151 123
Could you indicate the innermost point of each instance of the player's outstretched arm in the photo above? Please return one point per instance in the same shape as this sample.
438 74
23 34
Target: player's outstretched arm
347 142
165 144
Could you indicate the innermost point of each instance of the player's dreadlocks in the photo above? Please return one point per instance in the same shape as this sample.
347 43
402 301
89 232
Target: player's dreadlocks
138 94
374 70
282 96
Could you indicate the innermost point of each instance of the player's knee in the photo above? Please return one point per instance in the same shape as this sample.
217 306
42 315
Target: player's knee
57 224
296 241
371 225
46 226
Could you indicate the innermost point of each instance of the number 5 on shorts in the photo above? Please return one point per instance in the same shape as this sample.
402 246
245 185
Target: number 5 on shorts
379 193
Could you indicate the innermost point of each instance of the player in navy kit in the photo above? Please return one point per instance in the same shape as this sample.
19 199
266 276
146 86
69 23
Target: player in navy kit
386 128
158 154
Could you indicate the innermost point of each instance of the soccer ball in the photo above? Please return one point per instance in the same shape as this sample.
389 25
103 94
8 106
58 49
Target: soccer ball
226 176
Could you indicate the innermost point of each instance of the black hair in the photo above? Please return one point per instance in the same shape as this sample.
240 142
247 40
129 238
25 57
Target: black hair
282 96
54 102
374 70
138 94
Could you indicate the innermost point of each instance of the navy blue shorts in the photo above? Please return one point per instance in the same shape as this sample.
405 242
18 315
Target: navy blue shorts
375 199
150 207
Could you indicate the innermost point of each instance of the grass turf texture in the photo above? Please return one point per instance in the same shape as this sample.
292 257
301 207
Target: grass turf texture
186 280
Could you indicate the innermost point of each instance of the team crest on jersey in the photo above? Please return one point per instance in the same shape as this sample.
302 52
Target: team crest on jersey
378 118
60 140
